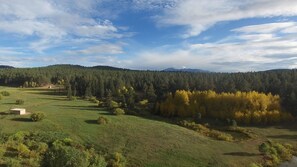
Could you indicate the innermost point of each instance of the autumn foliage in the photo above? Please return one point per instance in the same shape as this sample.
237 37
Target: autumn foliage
244 107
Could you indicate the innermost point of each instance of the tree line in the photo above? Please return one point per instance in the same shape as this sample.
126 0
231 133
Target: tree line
154 85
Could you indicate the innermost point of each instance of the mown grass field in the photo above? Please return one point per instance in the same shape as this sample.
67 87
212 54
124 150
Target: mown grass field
143 141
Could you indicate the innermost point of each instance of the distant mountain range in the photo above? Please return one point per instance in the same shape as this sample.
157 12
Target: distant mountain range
184 70
99 67
103 67
5 66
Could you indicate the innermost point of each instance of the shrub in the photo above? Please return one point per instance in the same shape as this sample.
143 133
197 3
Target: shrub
234 123
255 165
117 160
118 111
23 150
72 98
12 163
67 153
274 153
93 100
5 93
37 117
61 155
143 102
19 101
102 120
113 104
206 131
264 148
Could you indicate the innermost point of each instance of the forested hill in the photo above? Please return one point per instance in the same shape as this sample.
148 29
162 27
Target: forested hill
153 85
69 66
5 66
183 70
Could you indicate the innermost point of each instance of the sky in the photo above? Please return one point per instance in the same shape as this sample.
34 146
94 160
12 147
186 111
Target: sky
214 35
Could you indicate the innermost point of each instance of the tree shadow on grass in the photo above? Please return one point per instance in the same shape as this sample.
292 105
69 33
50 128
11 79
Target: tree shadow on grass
107 113
4 113
22 119
10 103
47 91
90 107
289 137
91 121
243 154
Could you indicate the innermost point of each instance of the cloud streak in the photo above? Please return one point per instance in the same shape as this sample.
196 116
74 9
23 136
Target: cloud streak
198 16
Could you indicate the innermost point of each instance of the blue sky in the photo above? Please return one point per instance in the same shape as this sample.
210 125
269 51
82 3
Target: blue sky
216 35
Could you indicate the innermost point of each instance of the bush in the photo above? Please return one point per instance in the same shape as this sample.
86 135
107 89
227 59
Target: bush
206 131
117 160
61 155
118 111
37 117
72 98
12 163
23 150
143 102
19 101
255 165
234 123
274 153
67 153
5 93
102 120
93 100
113 104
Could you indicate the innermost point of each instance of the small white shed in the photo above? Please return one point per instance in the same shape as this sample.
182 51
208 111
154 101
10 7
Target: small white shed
18 111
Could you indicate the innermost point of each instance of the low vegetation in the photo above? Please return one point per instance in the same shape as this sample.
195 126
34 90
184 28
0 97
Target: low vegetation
50 149
36 117
274 153
5 93
206 131
19 102
118 111
102 120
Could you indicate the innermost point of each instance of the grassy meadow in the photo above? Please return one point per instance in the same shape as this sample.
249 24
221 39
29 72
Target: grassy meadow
148 141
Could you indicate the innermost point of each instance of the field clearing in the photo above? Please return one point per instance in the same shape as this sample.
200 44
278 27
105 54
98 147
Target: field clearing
143 141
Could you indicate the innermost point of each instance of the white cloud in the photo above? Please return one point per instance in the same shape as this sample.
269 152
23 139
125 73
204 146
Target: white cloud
198 16
7 51
99 49
267 28
54 21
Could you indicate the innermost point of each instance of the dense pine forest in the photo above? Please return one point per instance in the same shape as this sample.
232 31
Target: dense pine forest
130 86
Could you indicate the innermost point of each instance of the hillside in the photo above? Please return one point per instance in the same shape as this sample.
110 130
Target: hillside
145 141
5 67
185 70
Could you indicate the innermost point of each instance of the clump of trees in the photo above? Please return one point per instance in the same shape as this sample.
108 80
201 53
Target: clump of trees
243 107
274 153
68 153
52 149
